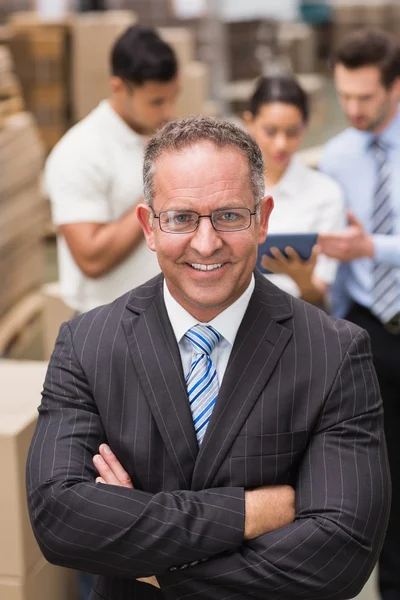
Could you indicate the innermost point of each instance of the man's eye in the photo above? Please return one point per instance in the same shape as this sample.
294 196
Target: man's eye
182 218
229 216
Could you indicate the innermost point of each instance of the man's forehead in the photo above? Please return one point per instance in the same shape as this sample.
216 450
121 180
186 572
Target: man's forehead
202 151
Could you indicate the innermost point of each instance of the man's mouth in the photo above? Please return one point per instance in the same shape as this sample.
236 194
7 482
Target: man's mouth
202 267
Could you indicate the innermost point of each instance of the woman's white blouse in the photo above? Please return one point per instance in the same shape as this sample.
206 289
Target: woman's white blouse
306 201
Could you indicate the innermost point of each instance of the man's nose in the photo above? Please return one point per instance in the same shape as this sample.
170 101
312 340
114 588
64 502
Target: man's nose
205 239
353 107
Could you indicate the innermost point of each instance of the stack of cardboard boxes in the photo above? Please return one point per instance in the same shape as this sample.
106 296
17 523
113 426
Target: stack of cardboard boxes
23 210
354 14
10 89
24 573
194 74
298 41
41 52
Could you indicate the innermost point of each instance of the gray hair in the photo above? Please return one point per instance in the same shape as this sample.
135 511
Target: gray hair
183 133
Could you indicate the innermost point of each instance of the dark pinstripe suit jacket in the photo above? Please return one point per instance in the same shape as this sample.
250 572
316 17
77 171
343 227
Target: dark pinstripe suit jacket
299 404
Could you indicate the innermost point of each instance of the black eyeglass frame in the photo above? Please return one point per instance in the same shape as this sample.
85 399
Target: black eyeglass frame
210 216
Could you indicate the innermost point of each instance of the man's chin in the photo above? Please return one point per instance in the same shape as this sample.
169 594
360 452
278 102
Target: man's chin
361 125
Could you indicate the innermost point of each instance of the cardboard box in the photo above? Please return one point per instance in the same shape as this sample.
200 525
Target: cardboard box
298 41
93 35
45 582
21 153
55 312
40 48
195 89
49 105
244 41
6 59
378 14
181 39
21 385
21 270
347 13
24 213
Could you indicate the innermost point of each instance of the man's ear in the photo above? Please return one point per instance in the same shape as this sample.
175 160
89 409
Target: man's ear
116 84
144 215
266 207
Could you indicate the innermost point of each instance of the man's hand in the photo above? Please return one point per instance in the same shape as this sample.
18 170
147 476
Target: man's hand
347 245
268 508
111 472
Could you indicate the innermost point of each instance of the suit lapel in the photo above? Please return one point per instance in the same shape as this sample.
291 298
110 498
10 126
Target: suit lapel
157 360
259 344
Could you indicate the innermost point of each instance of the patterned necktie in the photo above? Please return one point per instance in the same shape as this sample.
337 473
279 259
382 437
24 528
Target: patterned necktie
385 288
202 381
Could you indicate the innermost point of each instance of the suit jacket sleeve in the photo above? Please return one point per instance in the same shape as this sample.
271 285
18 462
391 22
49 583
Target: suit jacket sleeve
342 504
109 529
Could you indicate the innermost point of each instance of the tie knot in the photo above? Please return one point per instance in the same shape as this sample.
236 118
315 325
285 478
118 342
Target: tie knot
203 338
378 145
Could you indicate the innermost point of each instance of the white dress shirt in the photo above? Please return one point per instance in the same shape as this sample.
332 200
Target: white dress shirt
306 201
226 323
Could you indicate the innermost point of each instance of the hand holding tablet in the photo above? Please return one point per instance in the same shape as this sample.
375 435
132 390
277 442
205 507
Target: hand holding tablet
302 243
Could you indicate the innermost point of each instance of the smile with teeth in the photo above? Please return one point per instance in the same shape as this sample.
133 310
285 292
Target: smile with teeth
201 267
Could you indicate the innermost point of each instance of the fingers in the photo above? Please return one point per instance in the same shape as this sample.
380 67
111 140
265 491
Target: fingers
352 219
115 466
281 263
105 473
291 254
316 251
268 263
110 470
278 255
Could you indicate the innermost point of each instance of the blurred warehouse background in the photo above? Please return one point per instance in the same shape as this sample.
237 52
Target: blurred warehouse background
54 69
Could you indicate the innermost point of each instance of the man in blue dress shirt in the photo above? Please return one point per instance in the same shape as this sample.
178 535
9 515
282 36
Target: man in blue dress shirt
365 160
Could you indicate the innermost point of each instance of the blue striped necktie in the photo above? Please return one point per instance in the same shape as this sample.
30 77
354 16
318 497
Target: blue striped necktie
202 381
385 286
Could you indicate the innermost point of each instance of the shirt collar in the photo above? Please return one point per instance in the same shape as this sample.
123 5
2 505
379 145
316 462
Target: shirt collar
226 323
119 127
390 135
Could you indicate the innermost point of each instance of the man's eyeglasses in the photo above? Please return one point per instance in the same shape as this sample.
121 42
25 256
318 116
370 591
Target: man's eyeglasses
187 221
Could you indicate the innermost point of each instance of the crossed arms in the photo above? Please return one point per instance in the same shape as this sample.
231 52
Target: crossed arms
342 499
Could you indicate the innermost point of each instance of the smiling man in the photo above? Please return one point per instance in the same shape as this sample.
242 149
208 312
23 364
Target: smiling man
237 425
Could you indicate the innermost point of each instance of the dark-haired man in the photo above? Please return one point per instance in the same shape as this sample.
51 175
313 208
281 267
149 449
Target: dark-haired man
365 160
94 175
